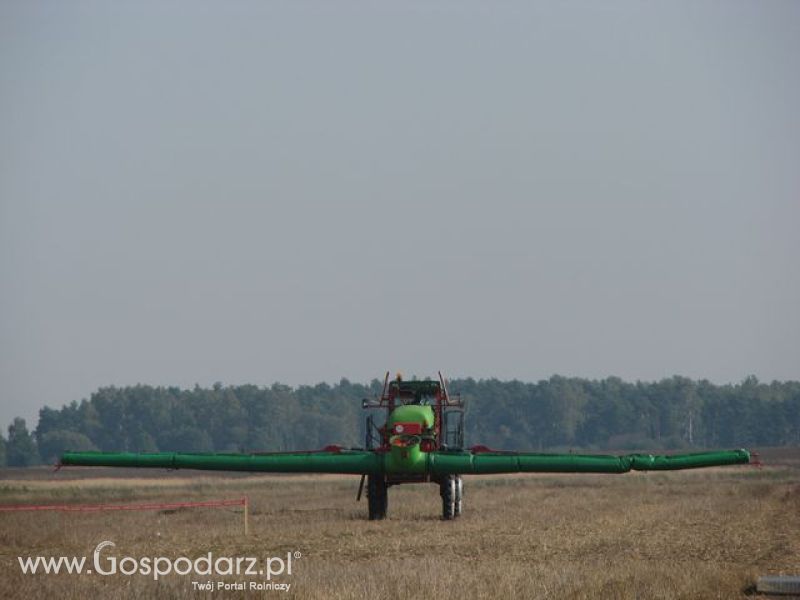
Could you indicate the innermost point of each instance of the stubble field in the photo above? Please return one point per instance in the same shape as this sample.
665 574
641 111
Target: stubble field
696 534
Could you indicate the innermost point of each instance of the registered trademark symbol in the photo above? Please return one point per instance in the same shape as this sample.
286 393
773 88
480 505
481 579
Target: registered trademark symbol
297 554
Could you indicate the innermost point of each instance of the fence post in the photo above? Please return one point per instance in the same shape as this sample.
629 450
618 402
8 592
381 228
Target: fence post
246 506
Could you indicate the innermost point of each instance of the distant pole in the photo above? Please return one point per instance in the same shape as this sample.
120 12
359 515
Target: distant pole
246 503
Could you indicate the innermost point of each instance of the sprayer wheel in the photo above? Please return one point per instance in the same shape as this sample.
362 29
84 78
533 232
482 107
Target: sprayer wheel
447 490
377 497
457 505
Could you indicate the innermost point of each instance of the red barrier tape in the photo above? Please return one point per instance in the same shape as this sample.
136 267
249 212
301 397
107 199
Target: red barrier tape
99 507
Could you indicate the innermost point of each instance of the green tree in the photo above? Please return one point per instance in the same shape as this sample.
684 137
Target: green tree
20 449
54 443
551 415
187 439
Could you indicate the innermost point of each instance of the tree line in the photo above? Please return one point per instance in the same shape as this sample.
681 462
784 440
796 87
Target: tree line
557 414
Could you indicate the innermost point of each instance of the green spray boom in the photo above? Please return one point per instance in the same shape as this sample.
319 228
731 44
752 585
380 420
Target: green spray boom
419 438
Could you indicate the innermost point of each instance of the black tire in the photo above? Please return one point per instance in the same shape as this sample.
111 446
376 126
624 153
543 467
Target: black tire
459 498
377 497
447 490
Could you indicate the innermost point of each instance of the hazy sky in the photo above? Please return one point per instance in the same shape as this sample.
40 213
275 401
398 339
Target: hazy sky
251 192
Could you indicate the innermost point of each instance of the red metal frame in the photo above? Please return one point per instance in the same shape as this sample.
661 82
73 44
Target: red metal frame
388 401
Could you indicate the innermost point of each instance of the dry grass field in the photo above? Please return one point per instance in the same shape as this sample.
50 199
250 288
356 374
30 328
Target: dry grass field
695 534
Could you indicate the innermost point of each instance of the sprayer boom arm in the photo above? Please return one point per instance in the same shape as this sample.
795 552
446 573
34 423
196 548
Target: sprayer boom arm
368 462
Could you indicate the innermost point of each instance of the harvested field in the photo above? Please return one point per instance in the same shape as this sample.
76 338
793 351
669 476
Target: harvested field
696 534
